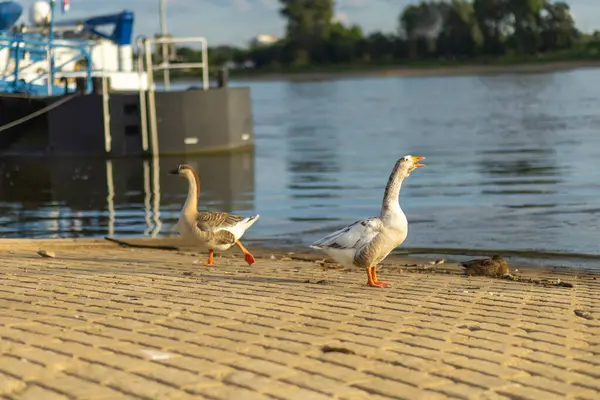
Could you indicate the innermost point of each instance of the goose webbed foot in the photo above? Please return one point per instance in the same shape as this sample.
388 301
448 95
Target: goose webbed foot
372 278
210 260
248 257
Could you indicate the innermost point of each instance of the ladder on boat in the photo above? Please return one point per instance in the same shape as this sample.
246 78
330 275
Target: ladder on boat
145 64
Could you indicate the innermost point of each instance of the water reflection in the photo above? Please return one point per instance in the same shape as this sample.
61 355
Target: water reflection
73 197
527 85
312 140
312 157
520 134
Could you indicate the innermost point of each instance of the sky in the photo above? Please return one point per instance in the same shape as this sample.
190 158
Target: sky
235 22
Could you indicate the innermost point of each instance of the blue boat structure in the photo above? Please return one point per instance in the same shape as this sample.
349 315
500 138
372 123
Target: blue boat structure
10 12
85 87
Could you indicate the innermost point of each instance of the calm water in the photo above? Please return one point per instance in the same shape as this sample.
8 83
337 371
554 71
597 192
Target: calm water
511 165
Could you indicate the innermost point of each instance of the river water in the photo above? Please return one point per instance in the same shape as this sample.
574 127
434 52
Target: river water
512 165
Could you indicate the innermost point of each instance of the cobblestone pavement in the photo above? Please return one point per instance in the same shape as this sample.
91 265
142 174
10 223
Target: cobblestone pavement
100 321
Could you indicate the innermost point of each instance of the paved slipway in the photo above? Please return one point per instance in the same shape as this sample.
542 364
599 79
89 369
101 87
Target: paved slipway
103 321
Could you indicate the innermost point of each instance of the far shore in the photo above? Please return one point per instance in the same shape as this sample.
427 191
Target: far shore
415 71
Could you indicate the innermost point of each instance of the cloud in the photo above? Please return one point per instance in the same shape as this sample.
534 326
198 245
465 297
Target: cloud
342 18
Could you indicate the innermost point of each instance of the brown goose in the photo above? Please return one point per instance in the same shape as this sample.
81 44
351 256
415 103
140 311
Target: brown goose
210 230
494 266
366 243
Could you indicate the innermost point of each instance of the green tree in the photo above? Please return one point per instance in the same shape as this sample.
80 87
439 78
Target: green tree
187 54
380 47
220 55
433 28
460 34
267 56
420 25
492 19
308 26
558 27
526 15
344 44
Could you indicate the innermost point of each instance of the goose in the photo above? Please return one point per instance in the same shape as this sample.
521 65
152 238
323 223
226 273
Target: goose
210 230
366 243
494 266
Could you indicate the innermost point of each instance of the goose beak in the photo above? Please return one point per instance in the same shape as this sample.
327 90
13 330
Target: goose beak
416 161
174 172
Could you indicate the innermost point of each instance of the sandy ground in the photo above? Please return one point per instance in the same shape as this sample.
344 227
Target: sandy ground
104 321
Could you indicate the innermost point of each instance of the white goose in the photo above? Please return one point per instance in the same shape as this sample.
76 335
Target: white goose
366 243
210 230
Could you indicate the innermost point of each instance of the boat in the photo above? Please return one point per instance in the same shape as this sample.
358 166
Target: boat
86 87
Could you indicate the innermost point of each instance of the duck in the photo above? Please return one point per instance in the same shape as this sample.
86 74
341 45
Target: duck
211 231
495 266
367 242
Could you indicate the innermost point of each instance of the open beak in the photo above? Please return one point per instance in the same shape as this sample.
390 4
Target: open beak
416 161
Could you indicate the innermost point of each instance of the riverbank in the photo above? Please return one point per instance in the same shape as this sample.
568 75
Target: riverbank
101 320
414 71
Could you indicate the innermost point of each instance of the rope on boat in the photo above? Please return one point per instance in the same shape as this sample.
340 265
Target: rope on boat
37 113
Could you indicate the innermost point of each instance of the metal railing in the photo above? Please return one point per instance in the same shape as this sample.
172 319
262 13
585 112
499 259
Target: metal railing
19 45
146 64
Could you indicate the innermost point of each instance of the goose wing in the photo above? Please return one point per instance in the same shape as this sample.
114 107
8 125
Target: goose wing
354 236
221 221
210 221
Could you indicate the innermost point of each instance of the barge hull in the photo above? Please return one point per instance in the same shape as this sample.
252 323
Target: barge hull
194 121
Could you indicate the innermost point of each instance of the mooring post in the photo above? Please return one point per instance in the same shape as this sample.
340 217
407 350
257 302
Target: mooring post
223 77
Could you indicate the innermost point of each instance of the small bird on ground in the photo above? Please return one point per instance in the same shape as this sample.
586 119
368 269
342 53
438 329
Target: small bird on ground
366 243
494 266
210 230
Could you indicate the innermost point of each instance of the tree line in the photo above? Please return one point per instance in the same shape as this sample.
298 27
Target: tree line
429 30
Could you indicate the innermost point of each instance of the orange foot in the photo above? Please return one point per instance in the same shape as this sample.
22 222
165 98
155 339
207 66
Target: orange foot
247 256
210 259
379 284
372 278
